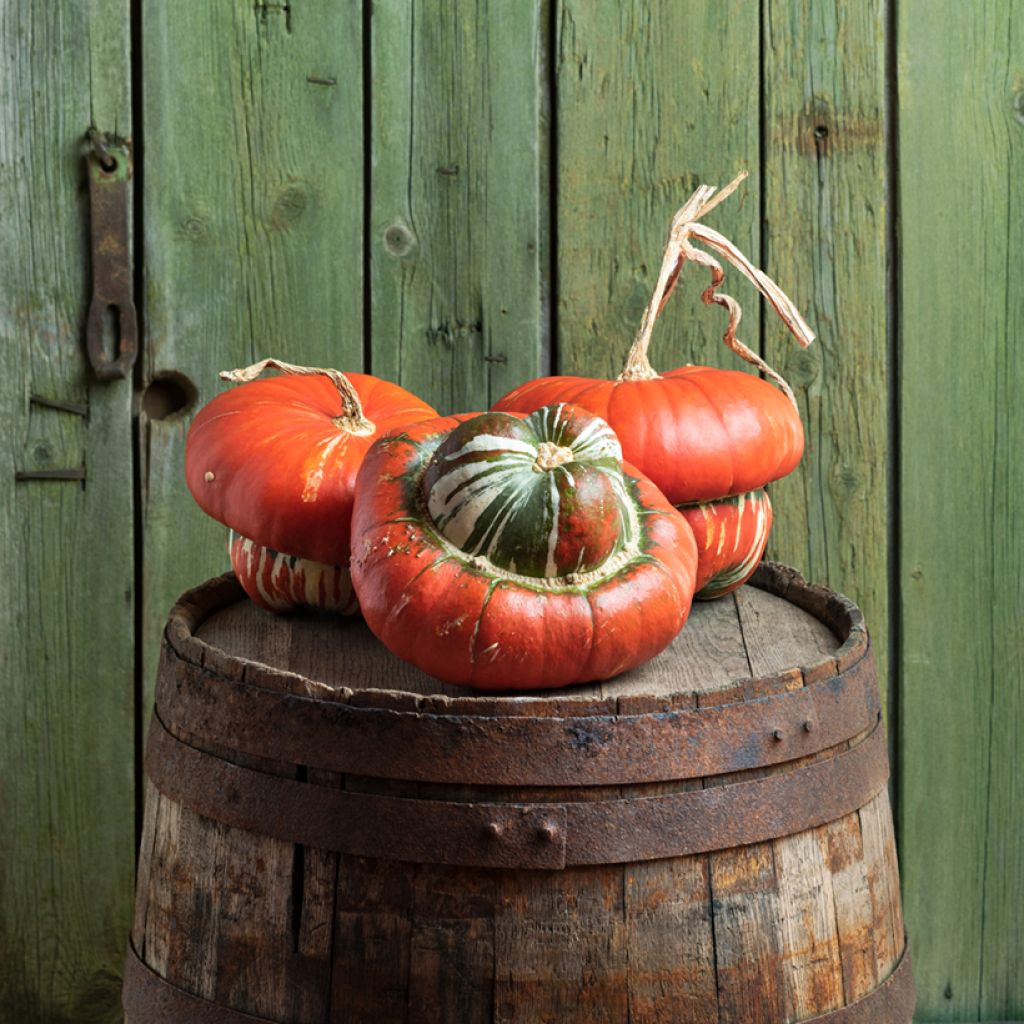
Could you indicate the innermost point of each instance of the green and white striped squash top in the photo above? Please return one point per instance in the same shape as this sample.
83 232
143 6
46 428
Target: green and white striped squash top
542 496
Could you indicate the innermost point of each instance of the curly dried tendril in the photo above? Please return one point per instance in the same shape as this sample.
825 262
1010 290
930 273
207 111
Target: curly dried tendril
678 249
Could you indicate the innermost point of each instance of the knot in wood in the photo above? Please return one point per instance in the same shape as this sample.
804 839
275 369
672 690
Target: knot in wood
398 239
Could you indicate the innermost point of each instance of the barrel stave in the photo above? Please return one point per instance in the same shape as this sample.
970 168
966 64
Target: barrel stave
235 917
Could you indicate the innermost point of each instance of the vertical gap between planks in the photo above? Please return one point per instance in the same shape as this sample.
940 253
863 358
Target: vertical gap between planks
762 177
367 85
138 688
138 382
892 238
334 920
551 326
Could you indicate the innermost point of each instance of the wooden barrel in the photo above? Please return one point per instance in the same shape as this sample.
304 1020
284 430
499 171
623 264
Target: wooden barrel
331 835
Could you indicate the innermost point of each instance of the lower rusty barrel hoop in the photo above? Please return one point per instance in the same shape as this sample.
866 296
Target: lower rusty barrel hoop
517 835
150 999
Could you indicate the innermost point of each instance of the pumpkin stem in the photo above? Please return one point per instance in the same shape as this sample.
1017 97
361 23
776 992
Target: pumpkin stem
551 455
352 420
677 251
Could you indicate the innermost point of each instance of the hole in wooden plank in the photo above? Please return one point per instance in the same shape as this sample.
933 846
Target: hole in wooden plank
169 395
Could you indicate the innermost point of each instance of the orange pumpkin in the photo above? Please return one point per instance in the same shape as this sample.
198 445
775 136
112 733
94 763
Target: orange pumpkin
276 459
701 434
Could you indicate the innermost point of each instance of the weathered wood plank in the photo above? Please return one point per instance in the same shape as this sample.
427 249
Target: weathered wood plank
777 640
372 930
883 882
253 224
453 923
962 480
560 940
825 202
746 911
812 966
747 941
669 936
670 904
842 845
458 244
66 612
259 936
652 100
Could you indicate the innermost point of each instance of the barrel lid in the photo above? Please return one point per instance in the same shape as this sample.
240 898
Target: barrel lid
776 633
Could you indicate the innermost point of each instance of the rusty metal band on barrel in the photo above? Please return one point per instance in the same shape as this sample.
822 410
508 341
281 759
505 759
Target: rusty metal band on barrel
517 835
150 999
517 750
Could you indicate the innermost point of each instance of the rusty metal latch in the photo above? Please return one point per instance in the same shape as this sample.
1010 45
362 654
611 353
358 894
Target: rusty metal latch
109 161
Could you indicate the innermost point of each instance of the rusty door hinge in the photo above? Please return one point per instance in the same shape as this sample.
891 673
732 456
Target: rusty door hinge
110 167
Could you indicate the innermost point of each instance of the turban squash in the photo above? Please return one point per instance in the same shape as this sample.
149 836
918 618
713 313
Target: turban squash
706 437
517 552
276 459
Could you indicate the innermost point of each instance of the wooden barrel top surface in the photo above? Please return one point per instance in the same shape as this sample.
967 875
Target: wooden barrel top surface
764 632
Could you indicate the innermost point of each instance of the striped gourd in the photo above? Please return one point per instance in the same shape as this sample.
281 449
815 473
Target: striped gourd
280 582
731 535
542 497
275 460
507 551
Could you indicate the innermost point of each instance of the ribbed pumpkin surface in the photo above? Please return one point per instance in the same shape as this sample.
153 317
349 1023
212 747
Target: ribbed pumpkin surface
542 496
509 552
271 460
698 432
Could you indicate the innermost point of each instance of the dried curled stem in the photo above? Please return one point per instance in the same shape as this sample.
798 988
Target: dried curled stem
352 420
677 251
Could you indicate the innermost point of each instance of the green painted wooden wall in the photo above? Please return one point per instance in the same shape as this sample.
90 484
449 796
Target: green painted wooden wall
461 194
